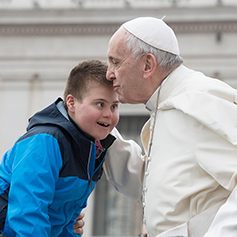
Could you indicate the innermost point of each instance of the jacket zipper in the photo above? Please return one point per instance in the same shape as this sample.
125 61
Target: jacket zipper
90 178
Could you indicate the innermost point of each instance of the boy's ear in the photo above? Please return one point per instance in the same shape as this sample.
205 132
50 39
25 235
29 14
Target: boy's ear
149 65
71 103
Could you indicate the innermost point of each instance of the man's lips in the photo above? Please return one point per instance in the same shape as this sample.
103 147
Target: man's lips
116 87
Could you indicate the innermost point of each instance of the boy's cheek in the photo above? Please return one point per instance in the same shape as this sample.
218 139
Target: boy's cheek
117 120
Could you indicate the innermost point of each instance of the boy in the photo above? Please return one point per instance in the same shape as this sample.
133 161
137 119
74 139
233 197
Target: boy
47 176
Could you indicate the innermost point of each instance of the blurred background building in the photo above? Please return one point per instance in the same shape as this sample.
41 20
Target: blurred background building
42 40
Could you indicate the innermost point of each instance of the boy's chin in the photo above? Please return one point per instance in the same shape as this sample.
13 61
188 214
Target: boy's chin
102 137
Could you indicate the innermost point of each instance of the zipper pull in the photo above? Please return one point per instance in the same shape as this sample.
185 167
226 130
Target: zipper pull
90 182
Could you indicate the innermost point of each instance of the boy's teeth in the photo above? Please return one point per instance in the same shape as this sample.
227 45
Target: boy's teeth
104 124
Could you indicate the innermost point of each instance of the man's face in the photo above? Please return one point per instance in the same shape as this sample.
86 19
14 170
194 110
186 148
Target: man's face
97 114
124 71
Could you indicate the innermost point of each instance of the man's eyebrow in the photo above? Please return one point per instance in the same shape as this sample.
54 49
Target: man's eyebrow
111 58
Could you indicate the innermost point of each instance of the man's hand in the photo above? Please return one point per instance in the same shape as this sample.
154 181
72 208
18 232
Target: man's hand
78 226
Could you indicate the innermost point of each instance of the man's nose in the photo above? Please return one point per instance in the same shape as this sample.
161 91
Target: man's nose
110 75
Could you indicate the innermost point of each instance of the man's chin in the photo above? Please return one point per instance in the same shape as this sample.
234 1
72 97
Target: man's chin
122 100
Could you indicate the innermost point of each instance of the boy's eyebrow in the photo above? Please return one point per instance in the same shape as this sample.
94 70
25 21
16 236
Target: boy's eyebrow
115 102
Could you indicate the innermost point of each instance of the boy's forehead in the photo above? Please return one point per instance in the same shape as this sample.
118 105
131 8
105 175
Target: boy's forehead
101 91
94 85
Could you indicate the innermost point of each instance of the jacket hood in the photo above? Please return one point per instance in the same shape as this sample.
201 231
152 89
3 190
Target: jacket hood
56 115
51 115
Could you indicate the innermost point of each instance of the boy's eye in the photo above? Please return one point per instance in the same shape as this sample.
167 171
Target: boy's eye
100 104
114 106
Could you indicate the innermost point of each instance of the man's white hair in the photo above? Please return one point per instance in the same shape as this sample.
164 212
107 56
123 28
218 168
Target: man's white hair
165 60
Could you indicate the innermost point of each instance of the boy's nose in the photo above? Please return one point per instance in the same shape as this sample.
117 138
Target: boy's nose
107 113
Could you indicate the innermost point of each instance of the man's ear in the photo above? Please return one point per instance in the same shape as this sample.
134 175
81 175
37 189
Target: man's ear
71 103
149 65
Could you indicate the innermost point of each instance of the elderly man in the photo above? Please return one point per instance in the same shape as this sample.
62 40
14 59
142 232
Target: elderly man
190 140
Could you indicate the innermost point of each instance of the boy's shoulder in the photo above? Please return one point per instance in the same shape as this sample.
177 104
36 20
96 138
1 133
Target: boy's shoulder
49 129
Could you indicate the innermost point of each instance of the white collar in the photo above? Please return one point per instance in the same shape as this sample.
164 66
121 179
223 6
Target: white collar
151 103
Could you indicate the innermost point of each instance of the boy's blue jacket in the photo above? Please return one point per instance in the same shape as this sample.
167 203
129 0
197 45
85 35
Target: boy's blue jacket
47 176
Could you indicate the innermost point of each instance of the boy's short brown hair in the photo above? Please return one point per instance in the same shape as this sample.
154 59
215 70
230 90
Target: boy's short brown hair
82 75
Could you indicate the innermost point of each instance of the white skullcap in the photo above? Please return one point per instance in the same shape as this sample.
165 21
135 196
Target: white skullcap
154 32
